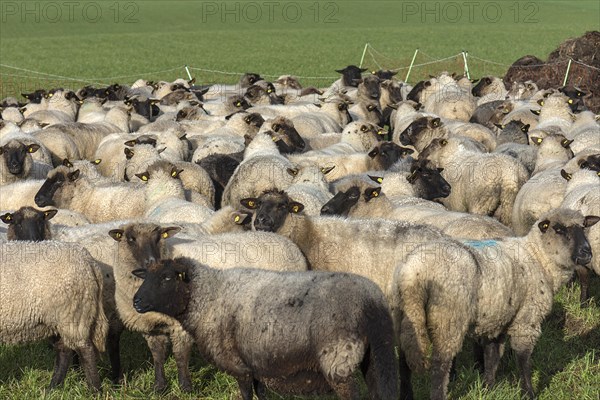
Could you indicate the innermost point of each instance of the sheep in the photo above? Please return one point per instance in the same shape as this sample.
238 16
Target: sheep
28 223
332 116
262 168
442 96
60 106
555 112
488 114
120 247
524 111
309 186
544 191
366 205
229 106
165 196
63 286
382 156
424 129
378 246
585 132
506 289
513 132
351 75
369 89
484 184
583 194
79 140
489 88
303 355
356 137
99 203
284 134
367 111
16 162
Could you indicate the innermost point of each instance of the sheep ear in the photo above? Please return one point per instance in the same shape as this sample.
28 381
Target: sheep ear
241 218
326 170
49 214
128 153
525 128
7 218
32 148
295 207
73 175
377 179
440 170
67 163
130 143
499 126
413 176
143 176
443 142
535 112
318 105
590 220
371 193
565 174
140 273
292 171
169 231
541 102
97 161
544 225
566 143
537 140
373 153
116 234
249 203
435 122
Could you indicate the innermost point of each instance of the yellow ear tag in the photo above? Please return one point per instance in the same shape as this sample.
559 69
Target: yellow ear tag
97 161
119 235
8 218
374 194
542 103
174 174
238 104
236 219
50 94
545 226
165 235
295 209
144 178
251 203
380 132
269 91
539 140
598 173
379 180
274 139
570 101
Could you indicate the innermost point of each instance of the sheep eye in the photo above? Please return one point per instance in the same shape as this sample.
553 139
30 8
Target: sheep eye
276 127
131 239
363 128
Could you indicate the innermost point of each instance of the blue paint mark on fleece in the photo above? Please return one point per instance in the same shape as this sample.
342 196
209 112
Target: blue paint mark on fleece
480 244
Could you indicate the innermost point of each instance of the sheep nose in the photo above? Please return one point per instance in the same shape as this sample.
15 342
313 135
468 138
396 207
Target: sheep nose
137 304
327 210
42 201
150 260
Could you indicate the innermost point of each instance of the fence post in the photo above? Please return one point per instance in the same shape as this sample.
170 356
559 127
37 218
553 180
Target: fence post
411 65
188 72
363 55
567 73
464 54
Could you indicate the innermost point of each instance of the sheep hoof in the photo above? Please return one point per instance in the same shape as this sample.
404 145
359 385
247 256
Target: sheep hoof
159 387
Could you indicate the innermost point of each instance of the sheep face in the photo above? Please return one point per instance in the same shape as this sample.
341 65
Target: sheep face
35 97
386 154
513 132
342 202
391 91
272 209
561 230
384 74
56 181
479 89
165 288
591 162
248 79
17 157
238 103
418 128
143 241
351 75
576 96
429 181
28 224
285 136
369 87
415 93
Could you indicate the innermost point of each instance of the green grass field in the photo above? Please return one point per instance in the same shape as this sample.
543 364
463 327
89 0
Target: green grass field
98 41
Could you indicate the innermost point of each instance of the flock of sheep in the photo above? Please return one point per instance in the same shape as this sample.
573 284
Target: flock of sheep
290 237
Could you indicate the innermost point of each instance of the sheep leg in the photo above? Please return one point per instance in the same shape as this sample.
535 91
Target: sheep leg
479 356
61 363
406 392
440 375
158 348
246 385
114 354
584 282
260 390
524 363
492 355
181 351
88 362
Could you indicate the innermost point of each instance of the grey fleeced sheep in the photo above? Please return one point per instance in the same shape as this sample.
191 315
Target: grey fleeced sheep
63 286
301 333
504 288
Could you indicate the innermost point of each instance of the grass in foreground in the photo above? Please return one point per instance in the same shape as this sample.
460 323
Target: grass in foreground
566 366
